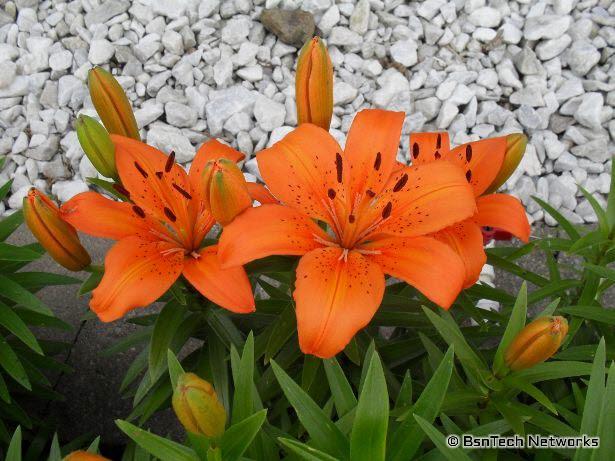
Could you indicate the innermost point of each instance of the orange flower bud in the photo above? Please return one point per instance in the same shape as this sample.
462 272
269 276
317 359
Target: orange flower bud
97 145
81 455
314 84
535 343
112 104
57 236
515 149
226 192
197 407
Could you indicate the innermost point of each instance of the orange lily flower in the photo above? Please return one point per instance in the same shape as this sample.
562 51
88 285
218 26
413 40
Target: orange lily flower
159 234
378 222
481 162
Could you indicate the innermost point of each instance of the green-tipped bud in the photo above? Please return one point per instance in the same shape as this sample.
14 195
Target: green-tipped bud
197 406
97 145
515 149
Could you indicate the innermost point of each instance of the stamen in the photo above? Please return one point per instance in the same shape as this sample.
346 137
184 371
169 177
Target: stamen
170 162
368 252
324 242
344 255
195 255
182 191
170 251
138 211
386 212
141 170
169 214
378 161
339 166
401 183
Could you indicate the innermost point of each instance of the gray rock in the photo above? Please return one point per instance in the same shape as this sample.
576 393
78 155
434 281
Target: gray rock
359 20
404 52
148 113
236 30
526 62
225 103
168 138
582 56
344 37
546 26
105 11
529 96
590 110
595 150
344 93
100 51
46 150
485 17
180 115
429 107
293 27
65 190
549 49
269 114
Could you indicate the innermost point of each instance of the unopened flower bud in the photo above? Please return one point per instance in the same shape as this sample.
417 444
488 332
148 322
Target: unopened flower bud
535 343
112 104
97 145
515 149
81 455
197 406
226 193
314 84
59 238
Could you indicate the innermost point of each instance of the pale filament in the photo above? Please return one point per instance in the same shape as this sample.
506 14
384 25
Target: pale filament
170 251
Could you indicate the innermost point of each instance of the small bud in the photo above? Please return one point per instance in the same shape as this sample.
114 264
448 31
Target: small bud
59 238
226 192
84 456
197 407
314 84
535 343
97 145
112 104
515 149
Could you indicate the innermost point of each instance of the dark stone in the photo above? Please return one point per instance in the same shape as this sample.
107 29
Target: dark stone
292 27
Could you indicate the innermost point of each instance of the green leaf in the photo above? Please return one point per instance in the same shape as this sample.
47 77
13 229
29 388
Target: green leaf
596 313
13 323
11 363
161 448
324 434
14 253
19 295
55 454
6 187
243 404
175 368
13 452
37 280
594 399
343 396
91 282
305 452
533 391
281 331
607 420
610 203
238 437
369 431
600 213
408 437
217 355
107 186
602 271
9 224
516 322
552 370
452 454
168 321
563 222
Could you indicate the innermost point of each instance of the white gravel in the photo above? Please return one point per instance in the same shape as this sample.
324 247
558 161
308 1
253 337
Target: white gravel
194 68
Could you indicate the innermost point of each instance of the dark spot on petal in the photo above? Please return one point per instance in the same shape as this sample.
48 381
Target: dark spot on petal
415 150
378 161
400 183
159 174
331 194
351 218
370 193
169 214
469 175
437 155
386 212
138 211
182 191
170 161
468 152
141 170
122 190
339 166
439 141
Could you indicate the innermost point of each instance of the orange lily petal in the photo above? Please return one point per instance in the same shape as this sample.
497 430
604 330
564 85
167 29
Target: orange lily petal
480 160
268 230
304 170
96 215
504 212
335 298
423 262
155 182
428 147
466 239
371 149
422 199
137 273
228 288
260 193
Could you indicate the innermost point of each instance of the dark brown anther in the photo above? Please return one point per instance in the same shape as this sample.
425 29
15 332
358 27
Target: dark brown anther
138 211
437 155
182 191
170 162
415 150
400 183
339 166
469 175
159 174
468 153
370 193
386 212
439 141
169 214
331 194
141 170
378 161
